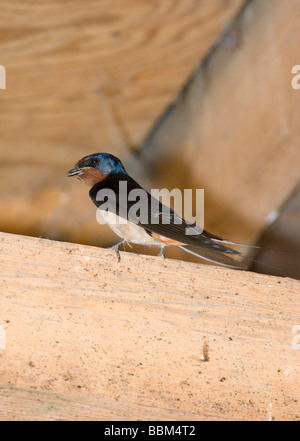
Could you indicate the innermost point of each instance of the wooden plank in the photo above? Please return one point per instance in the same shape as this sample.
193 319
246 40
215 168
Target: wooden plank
82 77
234 130
88 338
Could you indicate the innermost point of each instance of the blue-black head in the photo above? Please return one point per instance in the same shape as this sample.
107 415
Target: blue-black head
94 168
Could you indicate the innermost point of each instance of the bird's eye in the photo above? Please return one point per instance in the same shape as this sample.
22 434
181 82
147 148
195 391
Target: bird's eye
94 161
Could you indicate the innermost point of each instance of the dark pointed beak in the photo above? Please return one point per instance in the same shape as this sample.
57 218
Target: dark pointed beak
74 172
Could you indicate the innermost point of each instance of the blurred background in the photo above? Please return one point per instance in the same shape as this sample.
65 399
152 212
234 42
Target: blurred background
189 94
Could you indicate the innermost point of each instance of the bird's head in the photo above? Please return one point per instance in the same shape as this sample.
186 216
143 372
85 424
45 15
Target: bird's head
94 168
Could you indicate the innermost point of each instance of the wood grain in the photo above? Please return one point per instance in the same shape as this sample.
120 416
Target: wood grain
84 77
88 338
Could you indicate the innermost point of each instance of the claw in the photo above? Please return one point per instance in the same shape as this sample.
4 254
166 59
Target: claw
115 248
161 252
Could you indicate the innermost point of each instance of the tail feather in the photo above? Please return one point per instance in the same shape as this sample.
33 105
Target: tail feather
210 241
229 242
214 257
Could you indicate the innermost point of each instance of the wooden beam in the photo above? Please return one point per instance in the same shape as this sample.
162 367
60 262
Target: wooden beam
88 338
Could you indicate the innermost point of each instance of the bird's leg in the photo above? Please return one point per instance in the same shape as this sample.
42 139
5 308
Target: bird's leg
116 249
161 252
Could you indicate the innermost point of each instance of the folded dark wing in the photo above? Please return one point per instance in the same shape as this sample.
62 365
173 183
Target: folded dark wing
152 215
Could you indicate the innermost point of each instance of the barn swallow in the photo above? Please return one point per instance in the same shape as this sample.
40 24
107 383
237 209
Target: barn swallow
103 171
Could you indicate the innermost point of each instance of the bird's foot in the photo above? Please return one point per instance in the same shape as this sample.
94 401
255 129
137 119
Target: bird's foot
161 253
116 249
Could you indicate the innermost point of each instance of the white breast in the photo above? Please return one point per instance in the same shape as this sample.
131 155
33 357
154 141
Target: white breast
128 230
